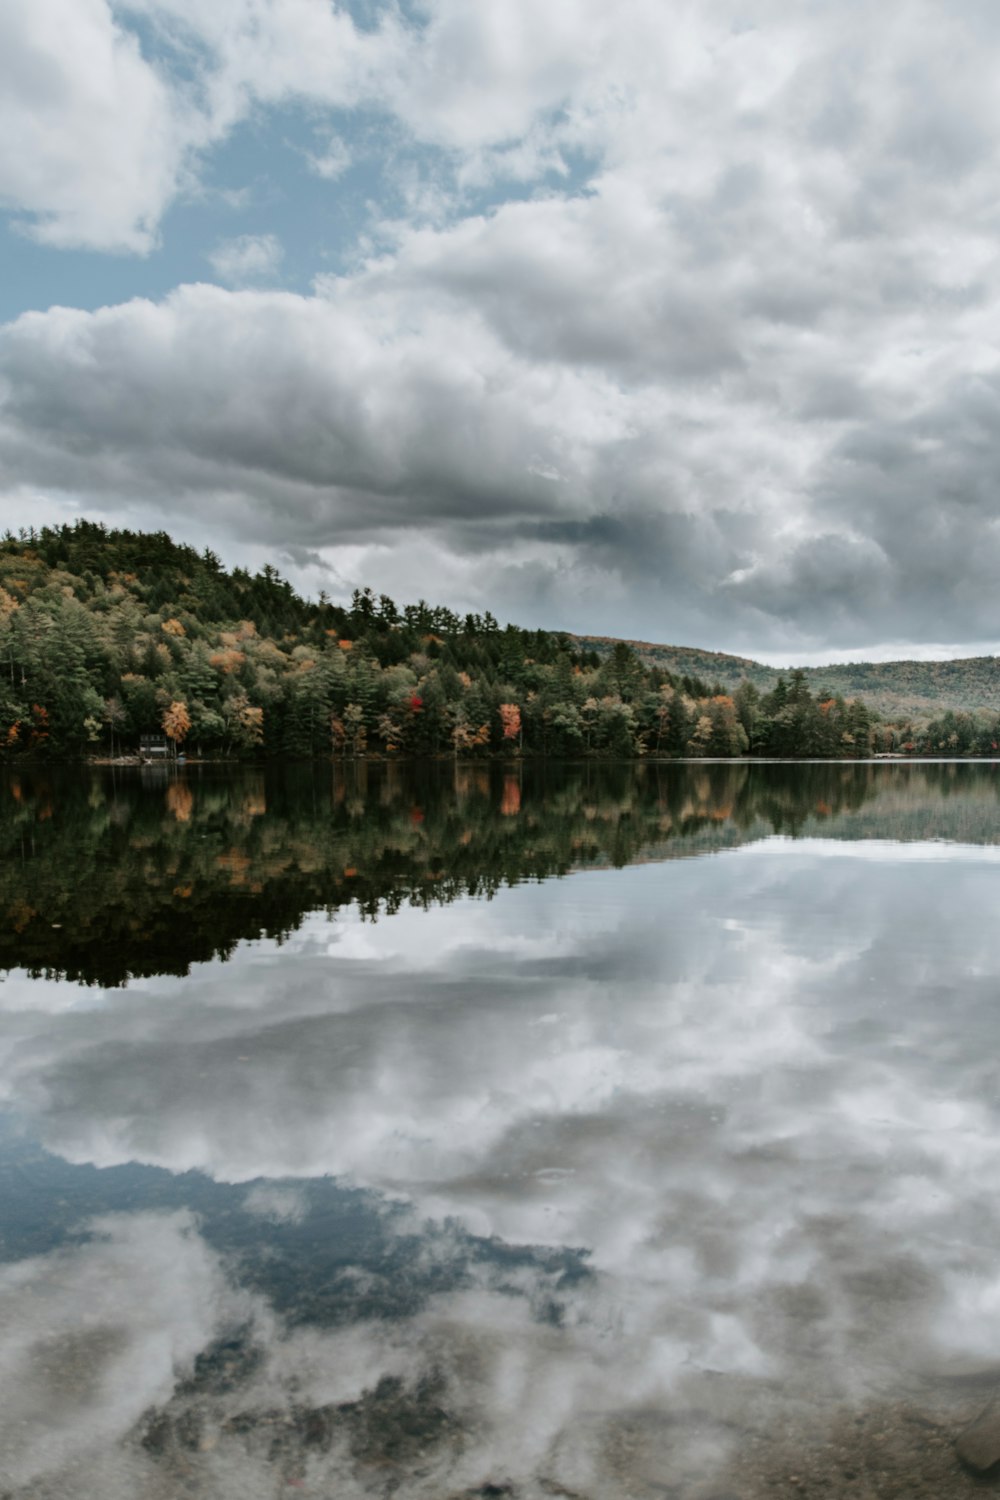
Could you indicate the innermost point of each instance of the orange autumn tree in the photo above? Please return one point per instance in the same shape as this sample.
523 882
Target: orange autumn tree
510 720
180 801
176 722
39 726
510 801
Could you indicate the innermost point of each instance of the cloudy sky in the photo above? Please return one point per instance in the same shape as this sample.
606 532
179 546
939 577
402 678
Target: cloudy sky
669 321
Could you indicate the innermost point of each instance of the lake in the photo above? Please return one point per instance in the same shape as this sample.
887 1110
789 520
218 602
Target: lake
467 1131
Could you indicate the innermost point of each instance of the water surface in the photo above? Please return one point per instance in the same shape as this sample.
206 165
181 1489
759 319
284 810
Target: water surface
468 1131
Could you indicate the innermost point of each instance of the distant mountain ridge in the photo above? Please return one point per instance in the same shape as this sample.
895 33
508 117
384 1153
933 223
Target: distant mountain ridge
892 688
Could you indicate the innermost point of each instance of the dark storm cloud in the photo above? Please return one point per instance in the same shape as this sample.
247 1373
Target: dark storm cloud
281 398
920 497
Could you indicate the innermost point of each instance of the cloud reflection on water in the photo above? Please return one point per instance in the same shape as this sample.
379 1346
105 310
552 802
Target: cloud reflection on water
758 1089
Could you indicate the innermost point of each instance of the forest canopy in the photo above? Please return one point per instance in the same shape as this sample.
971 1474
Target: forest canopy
107 636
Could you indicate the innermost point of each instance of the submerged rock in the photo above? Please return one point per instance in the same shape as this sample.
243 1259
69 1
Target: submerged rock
978 1445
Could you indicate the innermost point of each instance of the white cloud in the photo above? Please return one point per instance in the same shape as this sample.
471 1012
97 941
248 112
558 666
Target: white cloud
332 161
92 142
103 134
749 469
753 338
97 138
247 258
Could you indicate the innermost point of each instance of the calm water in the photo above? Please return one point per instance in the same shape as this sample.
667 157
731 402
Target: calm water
595 1133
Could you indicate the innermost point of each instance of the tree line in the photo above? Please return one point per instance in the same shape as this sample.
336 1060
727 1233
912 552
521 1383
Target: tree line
105 876
108 635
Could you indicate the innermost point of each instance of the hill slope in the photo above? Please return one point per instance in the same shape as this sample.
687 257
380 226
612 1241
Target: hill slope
118 640
894 689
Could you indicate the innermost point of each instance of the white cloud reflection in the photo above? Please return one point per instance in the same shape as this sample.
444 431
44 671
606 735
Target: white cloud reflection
95 1335
758 1089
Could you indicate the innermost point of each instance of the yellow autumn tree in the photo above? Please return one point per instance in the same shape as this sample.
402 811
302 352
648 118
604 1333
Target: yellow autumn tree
244 721
176 722
466 736
252 722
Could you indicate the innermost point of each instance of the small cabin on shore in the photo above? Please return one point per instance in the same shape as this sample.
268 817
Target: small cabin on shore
154 746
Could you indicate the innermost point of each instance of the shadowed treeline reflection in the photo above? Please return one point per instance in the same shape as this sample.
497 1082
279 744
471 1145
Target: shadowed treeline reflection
105 877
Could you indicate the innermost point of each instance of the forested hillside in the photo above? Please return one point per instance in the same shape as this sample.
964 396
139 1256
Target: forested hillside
109 635
893 689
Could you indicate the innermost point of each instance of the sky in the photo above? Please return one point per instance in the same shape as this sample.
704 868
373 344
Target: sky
670 322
